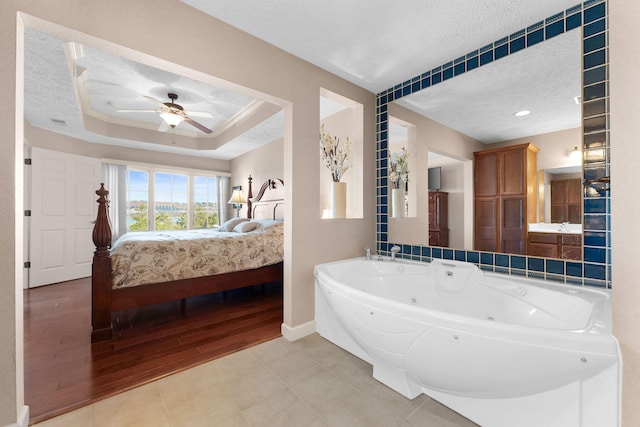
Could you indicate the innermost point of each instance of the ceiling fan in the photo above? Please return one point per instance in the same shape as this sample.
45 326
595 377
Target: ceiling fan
173 114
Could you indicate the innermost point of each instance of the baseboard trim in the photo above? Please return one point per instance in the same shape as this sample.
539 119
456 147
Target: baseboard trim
23 419
297 332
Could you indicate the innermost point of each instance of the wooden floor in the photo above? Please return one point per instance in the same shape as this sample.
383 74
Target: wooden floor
64 371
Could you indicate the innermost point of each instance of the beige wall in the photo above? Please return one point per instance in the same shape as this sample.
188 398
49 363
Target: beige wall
554 147
37 137
216 53
262 163
625 199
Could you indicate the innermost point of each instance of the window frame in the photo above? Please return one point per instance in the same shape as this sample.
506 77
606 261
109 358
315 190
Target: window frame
152 169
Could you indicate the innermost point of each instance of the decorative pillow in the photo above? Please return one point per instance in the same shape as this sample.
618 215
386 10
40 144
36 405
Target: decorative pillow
229 225
245 227
266 223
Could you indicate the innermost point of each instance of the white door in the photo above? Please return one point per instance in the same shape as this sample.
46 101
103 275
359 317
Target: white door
63 208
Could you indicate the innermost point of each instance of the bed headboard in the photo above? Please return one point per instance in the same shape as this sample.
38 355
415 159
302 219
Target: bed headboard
269 202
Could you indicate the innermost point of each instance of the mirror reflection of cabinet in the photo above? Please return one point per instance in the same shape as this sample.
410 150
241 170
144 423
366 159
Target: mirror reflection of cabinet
438 218
505 198
566 201
555 245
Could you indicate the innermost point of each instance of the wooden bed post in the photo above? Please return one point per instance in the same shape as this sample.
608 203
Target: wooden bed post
249 197
101 272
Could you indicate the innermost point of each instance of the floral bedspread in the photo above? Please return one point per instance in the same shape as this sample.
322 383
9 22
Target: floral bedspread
151 257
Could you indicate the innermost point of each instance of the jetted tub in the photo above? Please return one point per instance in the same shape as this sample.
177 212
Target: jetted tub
500 350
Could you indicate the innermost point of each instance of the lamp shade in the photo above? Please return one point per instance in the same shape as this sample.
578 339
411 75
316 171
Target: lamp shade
237 198
172 119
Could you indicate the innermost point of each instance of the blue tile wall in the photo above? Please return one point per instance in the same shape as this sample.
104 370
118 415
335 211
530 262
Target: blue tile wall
595 269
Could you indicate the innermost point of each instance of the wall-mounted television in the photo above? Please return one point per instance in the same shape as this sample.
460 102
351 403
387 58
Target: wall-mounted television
433 176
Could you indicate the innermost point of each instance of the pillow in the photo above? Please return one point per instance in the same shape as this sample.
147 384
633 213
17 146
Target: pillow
245 227
229 225
266 223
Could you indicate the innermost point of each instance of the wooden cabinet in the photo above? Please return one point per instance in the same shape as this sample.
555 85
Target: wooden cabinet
555 245
566 201
438 218
571 246
505 198
543 244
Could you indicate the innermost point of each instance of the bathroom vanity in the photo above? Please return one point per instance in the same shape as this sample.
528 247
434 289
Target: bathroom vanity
555 241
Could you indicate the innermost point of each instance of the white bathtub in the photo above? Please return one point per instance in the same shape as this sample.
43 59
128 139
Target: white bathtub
501 350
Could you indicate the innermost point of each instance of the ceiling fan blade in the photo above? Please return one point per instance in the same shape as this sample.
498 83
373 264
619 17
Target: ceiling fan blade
152 99
199 114
196 124
124 110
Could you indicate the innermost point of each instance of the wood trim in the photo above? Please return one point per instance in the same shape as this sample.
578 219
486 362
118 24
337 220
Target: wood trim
137 296
271 193
249 198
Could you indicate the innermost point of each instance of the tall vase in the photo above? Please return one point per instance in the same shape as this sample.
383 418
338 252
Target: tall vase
339 200
397 203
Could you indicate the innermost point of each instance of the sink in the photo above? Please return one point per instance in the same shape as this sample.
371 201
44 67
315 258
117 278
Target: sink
547 227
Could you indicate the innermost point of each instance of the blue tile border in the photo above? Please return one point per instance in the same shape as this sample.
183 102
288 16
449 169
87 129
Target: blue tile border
595 270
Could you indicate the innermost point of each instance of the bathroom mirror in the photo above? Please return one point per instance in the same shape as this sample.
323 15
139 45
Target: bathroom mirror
475 111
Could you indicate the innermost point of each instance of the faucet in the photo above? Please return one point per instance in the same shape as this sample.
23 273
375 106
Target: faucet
563 227
394 250
367 253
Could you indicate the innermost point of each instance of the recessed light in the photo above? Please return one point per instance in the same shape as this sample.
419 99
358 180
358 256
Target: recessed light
522 113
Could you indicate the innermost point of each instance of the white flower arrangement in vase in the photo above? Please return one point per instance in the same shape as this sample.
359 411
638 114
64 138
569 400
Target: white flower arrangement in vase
399 168
398 176
334 157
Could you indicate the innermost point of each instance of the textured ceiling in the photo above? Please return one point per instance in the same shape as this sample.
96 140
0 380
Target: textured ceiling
373 43
65 83
377 44
545 80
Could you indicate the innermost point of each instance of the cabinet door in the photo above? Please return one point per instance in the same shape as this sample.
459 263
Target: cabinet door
559 192
566 201
433 211
574 191
513 225
559 201
543 244
485 174
486 224
572 252
574 201
548 251
513 172
434 238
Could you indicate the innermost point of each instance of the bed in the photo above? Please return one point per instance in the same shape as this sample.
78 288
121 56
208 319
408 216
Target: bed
147 268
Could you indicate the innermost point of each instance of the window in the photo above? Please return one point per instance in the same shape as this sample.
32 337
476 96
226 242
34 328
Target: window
174 200
171 204
137 200
205 205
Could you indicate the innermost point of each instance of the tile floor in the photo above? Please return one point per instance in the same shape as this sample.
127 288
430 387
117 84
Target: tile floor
310 382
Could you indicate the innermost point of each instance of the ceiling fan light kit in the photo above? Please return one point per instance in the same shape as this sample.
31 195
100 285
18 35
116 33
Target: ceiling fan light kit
173 114
172 119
